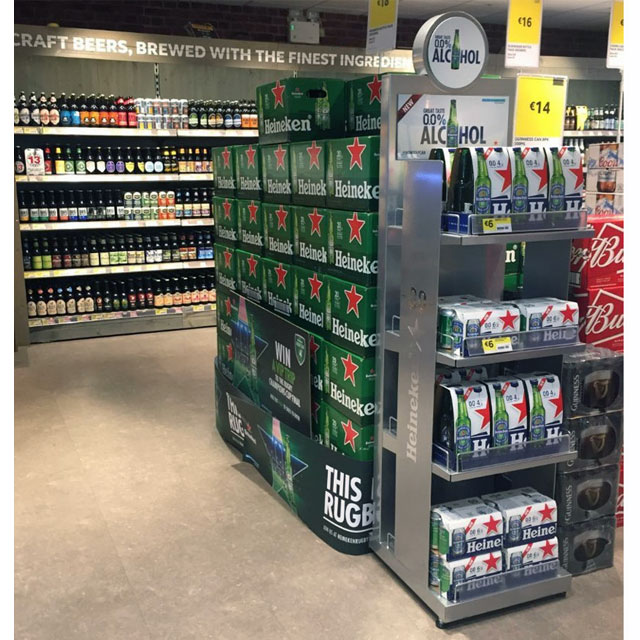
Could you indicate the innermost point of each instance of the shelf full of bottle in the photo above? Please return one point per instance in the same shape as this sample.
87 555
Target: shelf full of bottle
127 113
593 121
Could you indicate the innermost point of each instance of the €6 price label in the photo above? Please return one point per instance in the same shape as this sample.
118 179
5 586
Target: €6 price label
540 103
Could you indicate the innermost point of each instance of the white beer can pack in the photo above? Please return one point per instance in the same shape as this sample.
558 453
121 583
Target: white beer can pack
461 299
456 572
498 164
544 397
546 313
528 515
530 553
536 170
573 178
509 424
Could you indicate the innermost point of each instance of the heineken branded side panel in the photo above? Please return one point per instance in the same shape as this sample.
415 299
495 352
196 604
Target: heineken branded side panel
311 236
248 170
276 173
309 173
296 109
229 420
278 230
224 182
225 355
566 178
227 273
311 297
364 99
225 215
279 282
251 277
347 436
251 225
353 166
587 546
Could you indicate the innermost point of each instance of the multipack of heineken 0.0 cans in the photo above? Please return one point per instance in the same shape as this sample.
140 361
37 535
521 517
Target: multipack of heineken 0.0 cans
546 313
566 178
469 571
544 397
508 399
530 554
529 179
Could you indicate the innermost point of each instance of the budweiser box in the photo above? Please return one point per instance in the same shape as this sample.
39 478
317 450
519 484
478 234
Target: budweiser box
599 261
565 189
225 355
295 109
353 166
223 171
529 195
247 168
587 546
604 204
353 245
531 553
311 236
508 399
311 300
587 495
278 284
251 282
481 570
544 400
353 316
348 437
364 99
528 515
227 273
277 220
349 383
251 225
546 313
602 317
466 531
276 174
225 215
597 439
592 382
606 155
309 173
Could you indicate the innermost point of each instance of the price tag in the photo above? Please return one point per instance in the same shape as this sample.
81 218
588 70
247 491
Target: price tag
615 49
539 115
523 34
197 307
496 225
161 312
496 345
382 25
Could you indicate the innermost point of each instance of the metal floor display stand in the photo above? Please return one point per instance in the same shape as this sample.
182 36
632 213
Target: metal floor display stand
417 262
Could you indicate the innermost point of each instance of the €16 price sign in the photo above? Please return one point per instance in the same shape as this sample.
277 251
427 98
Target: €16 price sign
524 26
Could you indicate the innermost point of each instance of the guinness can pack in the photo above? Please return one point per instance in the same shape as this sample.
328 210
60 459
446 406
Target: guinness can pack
587 546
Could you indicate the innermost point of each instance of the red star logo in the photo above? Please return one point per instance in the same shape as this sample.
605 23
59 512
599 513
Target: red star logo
505 174
313 348
227 258
316 218
492 562
485 413
314 151
374 90
282 217
492 524
350 368
350 434
253 263
543 174
280 153
281 273
251 156
253 209
226 154
227 306
568 313
355 226
547 549
353 300
315 286
557 403
522 408
229 351
355 150
579 174
547 512
277 94
226 205
508 319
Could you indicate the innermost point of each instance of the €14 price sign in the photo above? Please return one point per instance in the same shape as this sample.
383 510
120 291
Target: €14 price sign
540 104
524 26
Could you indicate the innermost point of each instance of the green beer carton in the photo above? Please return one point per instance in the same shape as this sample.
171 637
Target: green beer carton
247 171
311 300
347 436
353 316
353 245
227 266
277 220
250 268
278 283
317 358
223 171
311 236
353 173
225 355
225 215
226 310
276 173
350 382
309 173
295 109
250 224
364 99
318 408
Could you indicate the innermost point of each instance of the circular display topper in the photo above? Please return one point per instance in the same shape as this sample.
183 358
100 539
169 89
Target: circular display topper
451 49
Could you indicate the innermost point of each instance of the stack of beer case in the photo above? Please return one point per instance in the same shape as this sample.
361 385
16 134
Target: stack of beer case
586 488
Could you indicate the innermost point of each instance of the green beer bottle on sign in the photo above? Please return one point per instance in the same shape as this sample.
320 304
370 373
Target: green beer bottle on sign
455 51
556 184
323 109
537 414
500 420
452 125
462 426
520 187
482 187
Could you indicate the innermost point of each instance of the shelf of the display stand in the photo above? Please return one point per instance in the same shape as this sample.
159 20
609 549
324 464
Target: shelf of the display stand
464 223
524 236
494 460
114 224
119 132
604 133
120 177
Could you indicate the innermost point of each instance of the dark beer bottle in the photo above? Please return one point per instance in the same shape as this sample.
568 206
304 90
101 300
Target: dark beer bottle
19 164
54 112
74 111
44 109
203 115
65 111
194 117
90 162
113 112
101 165
94 111
23 109
132 116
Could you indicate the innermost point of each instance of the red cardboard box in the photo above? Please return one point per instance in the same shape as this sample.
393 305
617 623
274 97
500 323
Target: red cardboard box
601 316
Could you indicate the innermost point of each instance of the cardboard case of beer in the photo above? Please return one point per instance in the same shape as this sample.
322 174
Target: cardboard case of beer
544 400
276 173
605 155
311 236
468 571
565 193
601 316
530 554
225 355
311 300
226 310
435 516
227 273
295 109
318 408
251 225
225 215
609 181
223 161
317 353
604 204
278 226
587 546
353 169
546 313
528 515
353 245
509 422
278 279
347 436
309 173
364 99
536 174
248 169
514 266
251 276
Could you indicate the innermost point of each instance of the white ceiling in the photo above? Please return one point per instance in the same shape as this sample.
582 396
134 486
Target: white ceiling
575 14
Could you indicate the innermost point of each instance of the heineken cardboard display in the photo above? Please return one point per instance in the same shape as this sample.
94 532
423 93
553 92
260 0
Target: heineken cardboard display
311 300
309 173
311 236
353 167
278 278
294 109
317 353
278 230
276 173
353 316
247 168
227 273
250 268
226 310
225 355
251 226
347 436
225 215
224 181
353 245
587 546
349 382
364 99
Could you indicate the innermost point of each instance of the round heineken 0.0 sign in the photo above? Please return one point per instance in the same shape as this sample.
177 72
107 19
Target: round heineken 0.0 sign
451 49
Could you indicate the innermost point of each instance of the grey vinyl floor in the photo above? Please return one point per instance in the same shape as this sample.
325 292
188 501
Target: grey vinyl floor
134 520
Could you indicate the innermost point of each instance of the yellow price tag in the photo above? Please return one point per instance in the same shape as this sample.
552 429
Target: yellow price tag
496 345
525 19
161 312
381 12
496 225
616 28
540 102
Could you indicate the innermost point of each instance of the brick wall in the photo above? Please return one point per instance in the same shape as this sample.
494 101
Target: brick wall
261 24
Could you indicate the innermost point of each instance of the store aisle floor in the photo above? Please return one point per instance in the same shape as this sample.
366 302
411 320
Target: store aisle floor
134 520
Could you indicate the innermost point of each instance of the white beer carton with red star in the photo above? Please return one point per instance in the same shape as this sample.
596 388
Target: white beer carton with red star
548 386
498 162
530 553
471 571
573 174
514 395
536 170
546 313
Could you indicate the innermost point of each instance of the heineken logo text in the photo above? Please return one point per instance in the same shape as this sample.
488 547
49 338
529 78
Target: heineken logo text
540 532
345 260
355 405
357 336
310 188
343 505
282 187
367 123
308 252
227 234
249 184
280 246
412 424
223 182
486 544
283 306
226 281
250 237
282 125
310 316
364 191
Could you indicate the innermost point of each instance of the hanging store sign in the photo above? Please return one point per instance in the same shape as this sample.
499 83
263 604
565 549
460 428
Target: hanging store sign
382 25
524 27
138 47
615 49
539 115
